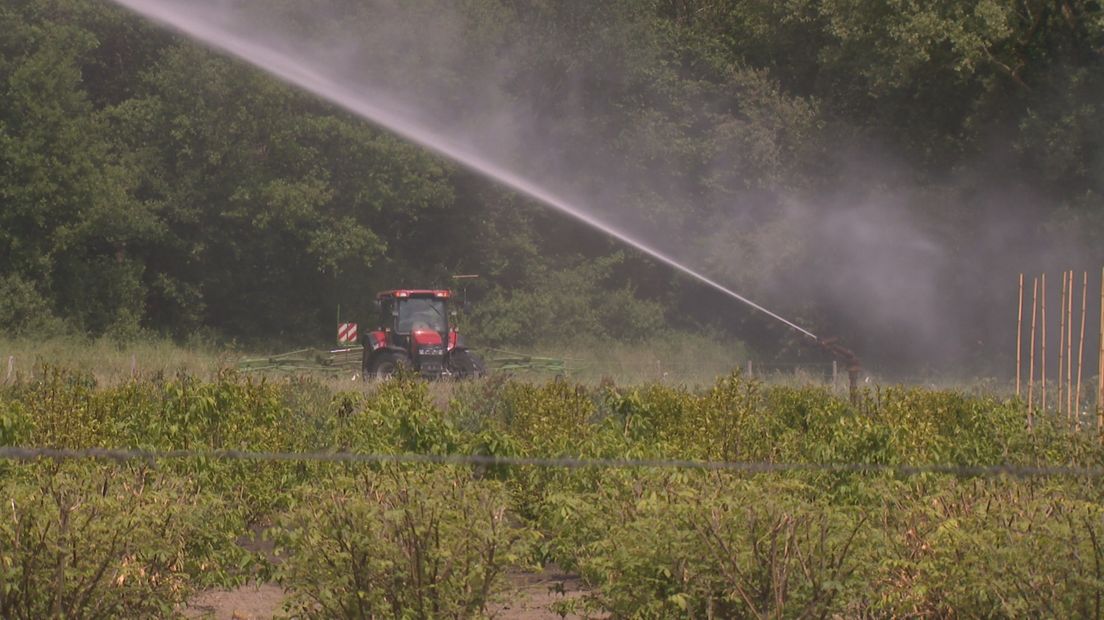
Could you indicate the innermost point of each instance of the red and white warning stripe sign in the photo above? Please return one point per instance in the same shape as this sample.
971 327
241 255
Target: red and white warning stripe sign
347 333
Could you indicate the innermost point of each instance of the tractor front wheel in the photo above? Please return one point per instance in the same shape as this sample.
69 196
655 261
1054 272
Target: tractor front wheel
464 364
386 364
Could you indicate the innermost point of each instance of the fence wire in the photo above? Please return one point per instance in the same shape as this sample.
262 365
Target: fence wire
13 453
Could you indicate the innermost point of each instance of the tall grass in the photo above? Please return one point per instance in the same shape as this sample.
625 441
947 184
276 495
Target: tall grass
108 361
676 358
690 360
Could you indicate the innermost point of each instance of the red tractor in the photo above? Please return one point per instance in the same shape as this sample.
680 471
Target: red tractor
414 332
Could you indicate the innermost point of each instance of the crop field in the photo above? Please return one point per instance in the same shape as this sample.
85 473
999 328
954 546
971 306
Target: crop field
604 482
760 310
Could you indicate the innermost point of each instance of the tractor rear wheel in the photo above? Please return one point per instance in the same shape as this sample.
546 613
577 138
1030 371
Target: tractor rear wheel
464 364
386 364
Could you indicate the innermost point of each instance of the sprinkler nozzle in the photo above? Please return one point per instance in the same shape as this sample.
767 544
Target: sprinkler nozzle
850 359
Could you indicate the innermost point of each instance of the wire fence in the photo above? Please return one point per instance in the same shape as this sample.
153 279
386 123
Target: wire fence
18 453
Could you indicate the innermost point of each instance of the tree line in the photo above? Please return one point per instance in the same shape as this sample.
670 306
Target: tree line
150 185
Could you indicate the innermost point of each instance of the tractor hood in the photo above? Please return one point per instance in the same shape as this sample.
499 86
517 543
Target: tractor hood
426 338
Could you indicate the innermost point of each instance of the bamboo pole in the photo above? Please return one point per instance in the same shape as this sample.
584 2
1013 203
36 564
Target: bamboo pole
1042 370
1019 337
1100 365
1031 371
1081 345
1062 340
1069 354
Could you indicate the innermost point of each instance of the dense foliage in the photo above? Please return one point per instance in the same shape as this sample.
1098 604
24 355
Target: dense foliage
146 182
420 541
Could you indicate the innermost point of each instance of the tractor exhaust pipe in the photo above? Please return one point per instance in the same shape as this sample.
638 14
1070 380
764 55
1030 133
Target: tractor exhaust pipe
848 357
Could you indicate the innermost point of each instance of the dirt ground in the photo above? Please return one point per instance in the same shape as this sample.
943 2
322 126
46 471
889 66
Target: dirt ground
529 596
251 602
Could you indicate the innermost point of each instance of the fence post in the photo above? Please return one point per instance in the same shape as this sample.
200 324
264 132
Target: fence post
835 375
1043 373
1081 345
750 373
1031 372
1100 364
1019 336
1062 344
1069 356
11 368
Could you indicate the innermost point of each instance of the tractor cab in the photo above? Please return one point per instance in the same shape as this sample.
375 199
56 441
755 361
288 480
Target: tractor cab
414 331
405 312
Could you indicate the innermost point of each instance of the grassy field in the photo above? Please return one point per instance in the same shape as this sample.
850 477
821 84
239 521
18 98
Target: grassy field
694 361
110 362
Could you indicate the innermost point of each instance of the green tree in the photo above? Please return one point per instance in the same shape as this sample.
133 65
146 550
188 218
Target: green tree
68 214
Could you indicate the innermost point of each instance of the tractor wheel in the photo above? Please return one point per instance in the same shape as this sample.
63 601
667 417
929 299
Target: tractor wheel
386 364
464 364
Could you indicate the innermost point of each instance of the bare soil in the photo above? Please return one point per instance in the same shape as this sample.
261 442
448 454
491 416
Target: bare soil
528 597
250 602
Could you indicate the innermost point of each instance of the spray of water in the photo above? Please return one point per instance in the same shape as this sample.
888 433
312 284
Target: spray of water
303 75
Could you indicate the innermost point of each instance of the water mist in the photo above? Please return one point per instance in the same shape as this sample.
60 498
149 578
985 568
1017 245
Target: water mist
315 78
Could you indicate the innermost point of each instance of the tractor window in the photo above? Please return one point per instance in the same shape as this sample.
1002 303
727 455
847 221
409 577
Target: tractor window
421 313
386 317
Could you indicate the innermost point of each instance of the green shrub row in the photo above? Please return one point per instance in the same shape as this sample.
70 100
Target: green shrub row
424 541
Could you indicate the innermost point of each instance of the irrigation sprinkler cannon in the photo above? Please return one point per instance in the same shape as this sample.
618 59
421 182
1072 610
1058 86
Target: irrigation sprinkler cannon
848 357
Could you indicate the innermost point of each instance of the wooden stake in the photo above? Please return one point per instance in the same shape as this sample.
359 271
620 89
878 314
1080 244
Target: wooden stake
1081 346
1062 340
1019 337
1069 354
1100 365
1042 370
1031 372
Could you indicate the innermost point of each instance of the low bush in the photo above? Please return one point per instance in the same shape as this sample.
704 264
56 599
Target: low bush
434 541
397 542
88 541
